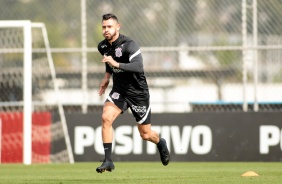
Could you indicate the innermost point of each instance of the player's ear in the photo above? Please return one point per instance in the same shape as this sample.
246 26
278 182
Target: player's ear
118 27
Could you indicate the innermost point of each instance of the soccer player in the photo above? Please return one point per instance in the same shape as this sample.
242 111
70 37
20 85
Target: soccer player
124 63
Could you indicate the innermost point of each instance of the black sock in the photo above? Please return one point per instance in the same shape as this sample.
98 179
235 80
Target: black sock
159 143
108 151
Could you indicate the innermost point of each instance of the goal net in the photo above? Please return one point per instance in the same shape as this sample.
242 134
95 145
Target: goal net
29 132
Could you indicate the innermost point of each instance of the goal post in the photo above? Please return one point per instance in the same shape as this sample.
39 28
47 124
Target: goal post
27 87
22 42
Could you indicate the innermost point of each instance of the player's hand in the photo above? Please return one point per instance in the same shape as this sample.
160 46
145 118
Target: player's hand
110 61
103 86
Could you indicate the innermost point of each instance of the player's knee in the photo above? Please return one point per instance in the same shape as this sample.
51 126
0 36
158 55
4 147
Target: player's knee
145 136
106 120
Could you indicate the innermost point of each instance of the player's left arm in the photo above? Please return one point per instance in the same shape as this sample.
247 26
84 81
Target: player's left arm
135 59
135 63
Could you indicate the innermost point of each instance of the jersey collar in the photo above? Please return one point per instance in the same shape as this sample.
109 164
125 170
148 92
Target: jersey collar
118 41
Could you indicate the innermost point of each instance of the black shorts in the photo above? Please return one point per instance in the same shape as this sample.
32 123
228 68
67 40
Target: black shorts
140 107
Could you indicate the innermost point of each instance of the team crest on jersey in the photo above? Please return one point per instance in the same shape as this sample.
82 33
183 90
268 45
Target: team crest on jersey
115 95
118 52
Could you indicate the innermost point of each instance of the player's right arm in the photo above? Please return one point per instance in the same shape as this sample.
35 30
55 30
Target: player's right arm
102 48
104 84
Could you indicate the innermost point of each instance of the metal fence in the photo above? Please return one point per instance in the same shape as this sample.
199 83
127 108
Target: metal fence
216 55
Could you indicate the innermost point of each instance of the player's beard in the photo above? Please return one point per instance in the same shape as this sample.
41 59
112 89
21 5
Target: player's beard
111 37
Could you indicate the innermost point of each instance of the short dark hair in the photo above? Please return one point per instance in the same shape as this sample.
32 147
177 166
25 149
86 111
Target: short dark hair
109 16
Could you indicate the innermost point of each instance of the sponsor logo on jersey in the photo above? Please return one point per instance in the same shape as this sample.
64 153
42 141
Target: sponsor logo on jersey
103 46
118 52
116 70
141 110
115 95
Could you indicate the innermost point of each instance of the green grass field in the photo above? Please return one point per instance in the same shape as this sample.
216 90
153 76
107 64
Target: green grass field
143 173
